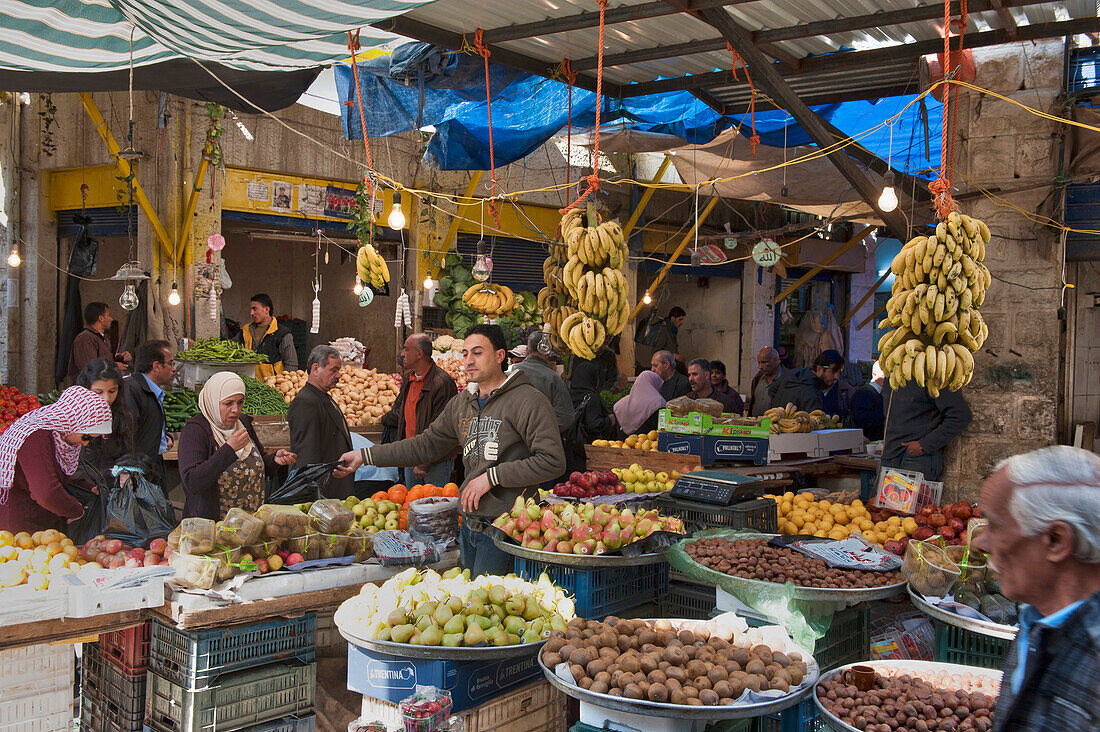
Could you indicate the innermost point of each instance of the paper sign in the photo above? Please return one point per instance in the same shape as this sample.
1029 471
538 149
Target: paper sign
311 200
854 552
766 253
259 192
282 195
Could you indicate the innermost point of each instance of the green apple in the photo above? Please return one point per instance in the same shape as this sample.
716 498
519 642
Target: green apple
358 509
392 524
380 521
370 503
372 529
662 476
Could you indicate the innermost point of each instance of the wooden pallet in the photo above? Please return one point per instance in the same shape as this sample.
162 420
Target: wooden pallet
605 458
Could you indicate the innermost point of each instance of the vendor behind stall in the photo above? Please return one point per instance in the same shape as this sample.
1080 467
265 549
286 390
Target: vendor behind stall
38 455
221 461
265 336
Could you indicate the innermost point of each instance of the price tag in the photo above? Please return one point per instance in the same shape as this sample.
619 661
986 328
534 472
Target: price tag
730 242
366 297
766 253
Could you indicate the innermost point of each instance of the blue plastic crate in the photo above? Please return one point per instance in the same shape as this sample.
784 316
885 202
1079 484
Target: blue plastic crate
967 648
799 718
194 658
603 591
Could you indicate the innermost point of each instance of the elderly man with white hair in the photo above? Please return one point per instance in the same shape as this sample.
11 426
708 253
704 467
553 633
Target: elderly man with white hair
1043 543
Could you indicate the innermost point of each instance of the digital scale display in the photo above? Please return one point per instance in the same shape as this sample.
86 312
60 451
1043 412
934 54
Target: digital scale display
715 487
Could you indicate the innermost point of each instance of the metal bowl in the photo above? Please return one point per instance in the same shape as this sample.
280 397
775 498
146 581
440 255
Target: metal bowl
994 630
911 667
682 711
823 594
442 653
579 560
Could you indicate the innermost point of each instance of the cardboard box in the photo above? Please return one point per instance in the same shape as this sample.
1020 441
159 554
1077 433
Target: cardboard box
749 449
537 707
680 444
689 425
736 430
470 683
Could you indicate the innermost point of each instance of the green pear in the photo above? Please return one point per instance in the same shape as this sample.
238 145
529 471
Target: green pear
480 595
466 574
484 622
513 639
532 610
401 633
498 594
455 605
424 608
442 614
452 640
474 636
396 617
531 637
515 624
499 611
415 640
433 636
515 605
452 572
557 622
455 625
536 625
474 606
384 633
500 638
424 622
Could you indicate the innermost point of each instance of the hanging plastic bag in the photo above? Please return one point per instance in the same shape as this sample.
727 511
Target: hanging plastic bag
94 520
137 509
305 485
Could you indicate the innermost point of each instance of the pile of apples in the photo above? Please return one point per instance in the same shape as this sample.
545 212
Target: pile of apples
641 480
590 484
112 553
580 528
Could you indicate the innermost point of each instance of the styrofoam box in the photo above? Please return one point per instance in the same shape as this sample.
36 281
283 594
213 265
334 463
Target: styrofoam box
601 718
87 600
38 713
795 442
841 439
537 707
36 670
23 604
728 603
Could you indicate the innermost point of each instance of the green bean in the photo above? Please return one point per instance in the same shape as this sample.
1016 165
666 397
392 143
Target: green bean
212 349
259 398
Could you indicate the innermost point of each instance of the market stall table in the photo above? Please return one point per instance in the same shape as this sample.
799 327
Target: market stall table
63 630
993 630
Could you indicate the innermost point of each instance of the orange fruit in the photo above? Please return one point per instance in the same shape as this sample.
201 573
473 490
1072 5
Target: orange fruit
398 494
380 496
450 490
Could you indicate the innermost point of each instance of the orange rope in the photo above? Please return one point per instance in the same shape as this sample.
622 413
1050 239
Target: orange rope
479 44
353 46
942 200
755 139
594 179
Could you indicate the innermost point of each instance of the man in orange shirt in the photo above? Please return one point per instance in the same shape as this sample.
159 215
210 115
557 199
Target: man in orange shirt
425 391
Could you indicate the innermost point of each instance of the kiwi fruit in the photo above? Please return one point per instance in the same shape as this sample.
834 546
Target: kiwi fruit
755 666
656 677
595 666
696 668
551 659
716 674
678 697
629 664
649 663
722 688
686 637
647 636
658 693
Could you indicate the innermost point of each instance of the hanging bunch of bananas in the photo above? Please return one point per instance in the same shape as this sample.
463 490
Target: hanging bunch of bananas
371 268
582 335
554 301
557 317
940 282
593 273
789 419
489 299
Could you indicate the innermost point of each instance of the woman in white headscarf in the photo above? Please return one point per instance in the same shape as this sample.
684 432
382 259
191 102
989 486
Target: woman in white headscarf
38 455
221 461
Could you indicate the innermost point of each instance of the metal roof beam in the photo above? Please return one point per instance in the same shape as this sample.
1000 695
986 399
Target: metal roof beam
769 80
788 60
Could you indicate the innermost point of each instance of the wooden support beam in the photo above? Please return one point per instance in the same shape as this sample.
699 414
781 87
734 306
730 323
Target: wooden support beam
872 316
646 196
852 311
189 211
127 170
708 99
825 263
769 81
675 255
1006 18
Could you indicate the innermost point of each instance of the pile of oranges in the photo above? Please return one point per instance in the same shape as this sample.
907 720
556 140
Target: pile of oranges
403 496
33 558
801 514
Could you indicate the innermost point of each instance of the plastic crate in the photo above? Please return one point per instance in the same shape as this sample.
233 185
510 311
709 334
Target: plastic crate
847 640
236 701
604 591
128 649
965 647
759 514
35 670
286 724
38 713
193 658
111 700
799 718
688 600
536 707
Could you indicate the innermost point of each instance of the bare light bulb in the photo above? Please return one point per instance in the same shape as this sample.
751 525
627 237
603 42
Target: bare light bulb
14 259
647 299
429 283
174 296
129 298
358 288
483 267
888 201
396 218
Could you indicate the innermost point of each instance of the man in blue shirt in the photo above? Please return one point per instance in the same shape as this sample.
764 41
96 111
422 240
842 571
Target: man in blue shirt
1043 542
154 369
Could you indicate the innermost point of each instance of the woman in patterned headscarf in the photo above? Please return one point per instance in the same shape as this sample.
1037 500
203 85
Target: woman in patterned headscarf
40 452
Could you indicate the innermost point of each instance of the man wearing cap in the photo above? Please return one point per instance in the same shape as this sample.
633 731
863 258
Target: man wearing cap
868 413
537 366
836 393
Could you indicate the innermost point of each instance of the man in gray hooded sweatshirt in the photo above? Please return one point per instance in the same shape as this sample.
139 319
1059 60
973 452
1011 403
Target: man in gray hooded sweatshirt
508 437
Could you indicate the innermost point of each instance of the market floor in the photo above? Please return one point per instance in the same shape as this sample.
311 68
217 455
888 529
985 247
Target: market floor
335 706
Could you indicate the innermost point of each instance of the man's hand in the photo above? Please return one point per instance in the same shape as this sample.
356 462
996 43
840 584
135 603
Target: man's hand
238 439
351 461
170 441
472 493
913 448
285 457
420 473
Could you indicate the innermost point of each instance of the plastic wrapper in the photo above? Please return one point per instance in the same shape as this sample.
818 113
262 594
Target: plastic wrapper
263 548
305 485
332 545
360 545
805 620
230 558
331 516
196 535
239 528
174 538
365 725
681 406
308 545
436 518
397 548
197 571
427 710
282 522
929 569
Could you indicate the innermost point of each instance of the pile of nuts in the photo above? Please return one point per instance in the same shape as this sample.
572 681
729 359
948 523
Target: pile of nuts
651 660
907 704
756 559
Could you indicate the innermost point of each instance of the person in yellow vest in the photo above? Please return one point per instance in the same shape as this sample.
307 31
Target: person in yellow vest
264 335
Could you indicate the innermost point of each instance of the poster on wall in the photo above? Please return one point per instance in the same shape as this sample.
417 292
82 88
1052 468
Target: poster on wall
311 200
282 194
259 192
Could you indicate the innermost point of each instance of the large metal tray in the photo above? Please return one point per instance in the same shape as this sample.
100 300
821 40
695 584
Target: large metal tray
910 667
441 653
995 630
682 711
579 560
824 594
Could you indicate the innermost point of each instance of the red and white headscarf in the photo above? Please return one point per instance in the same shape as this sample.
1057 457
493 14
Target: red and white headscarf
78 410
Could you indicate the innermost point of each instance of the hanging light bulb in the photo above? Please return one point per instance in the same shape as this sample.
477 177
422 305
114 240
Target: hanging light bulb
483 265
129 298
358 289
14 259
396 219
174 296
429 283
888 201
647 299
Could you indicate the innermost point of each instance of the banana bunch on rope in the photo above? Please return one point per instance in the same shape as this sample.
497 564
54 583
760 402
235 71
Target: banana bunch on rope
489 299
594 246
371 268
556 317
552 269
582 335
940 282
790 419
602 294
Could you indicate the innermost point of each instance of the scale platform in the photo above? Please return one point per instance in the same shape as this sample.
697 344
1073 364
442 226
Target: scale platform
716 487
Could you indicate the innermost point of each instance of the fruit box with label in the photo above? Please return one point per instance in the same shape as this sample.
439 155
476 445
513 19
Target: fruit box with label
692 424
470 683
717 429
680 444
737 449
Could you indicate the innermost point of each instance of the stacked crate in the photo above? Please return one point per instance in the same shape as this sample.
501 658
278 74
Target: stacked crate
36 688
112 681
254 676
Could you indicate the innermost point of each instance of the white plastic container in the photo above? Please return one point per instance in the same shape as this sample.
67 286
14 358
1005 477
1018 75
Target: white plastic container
36 670
22 604
38 713
196 373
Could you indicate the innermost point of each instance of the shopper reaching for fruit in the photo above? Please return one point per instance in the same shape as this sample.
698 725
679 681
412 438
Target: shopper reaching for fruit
222 462
38 455
508 438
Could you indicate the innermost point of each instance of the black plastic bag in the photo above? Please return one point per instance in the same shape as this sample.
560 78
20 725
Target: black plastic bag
305 485
94 520
137 509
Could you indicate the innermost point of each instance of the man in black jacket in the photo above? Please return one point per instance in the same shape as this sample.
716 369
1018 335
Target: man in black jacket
265 336
154 369
676 384
920 427
836 393
318 431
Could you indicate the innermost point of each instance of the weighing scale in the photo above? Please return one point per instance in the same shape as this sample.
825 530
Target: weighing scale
716 487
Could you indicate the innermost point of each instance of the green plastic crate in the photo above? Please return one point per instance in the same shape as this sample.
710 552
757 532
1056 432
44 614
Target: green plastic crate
733 725
688 600
847 640
967 648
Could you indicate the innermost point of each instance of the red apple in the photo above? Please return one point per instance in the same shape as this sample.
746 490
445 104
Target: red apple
293 559
151 560
137 553
261 566
575 477
157 546
112 546
104 558
620 489
115 562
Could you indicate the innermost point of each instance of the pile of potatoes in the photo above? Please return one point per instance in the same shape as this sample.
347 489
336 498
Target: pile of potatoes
651 660
757 559
363 395
907 704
